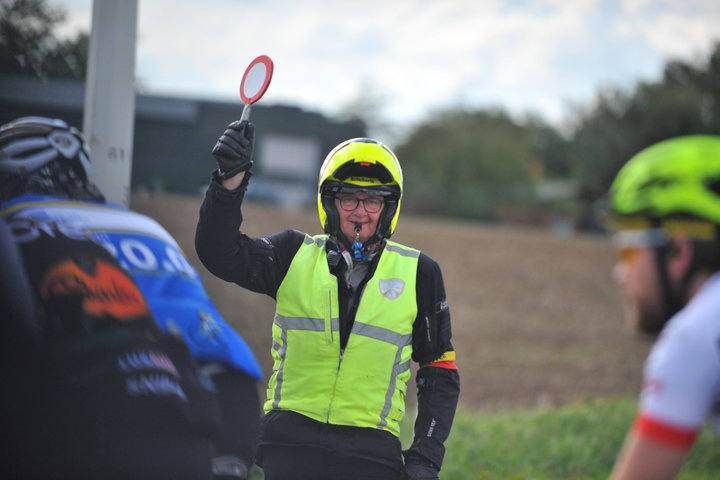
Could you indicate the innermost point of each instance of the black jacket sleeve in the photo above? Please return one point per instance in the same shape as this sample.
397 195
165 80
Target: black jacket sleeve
258 264
437 379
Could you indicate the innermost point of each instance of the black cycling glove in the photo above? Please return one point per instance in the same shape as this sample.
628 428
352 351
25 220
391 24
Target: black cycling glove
233 150
417 469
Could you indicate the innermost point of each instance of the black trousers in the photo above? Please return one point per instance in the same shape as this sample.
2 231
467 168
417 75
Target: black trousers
313 463
295 447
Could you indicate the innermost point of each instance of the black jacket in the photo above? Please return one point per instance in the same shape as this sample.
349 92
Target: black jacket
260 264
97 389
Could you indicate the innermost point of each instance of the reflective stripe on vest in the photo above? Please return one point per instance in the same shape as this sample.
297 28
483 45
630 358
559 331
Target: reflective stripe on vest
365 386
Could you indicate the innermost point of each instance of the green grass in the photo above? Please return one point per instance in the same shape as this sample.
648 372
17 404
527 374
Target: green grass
578 441
574 442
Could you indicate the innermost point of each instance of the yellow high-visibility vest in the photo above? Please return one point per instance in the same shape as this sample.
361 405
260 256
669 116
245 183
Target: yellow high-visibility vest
365 385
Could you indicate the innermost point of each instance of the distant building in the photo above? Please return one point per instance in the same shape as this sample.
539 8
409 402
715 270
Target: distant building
174 136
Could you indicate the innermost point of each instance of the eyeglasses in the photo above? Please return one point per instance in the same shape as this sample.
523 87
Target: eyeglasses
630 242
371 204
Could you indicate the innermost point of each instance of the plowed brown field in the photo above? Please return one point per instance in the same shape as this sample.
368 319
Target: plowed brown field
536 318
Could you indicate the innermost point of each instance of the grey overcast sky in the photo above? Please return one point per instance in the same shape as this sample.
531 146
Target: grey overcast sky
415 56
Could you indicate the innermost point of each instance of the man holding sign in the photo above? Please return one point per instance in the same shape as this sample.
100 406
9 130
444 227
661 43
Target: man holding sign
353 310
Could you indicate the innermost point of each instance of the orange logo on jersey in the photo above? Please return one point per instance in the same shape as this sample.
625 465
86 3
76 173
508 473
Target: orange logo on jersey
105 289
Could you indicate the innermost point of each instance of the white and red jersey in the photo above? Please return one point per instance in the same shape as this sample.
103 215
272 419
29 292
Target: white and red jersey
681 385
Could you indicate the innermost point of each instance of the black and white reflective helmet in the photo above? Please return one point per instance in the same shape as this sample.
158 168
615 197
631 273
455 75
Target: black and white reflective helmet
30 143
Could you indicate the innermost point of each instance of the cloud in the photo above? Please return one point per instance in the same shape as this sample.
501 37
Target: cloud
418 55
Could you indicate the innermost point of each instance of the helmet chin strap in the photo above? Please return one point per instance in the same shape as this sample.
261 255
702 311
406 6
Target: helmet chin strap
357 245
360 251
673 296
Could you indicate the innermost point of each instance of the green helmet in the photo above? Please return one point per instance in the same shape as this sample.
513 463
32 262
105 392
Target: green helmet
674 184
360 164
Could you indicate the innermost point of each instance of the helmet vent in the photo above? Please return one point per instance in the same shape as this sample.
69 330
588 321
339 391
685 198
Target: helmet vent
364 170
661 183
714 186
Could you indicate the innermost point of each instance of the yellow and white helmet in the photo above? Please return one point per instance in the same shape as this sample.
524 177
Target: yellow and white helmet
360 164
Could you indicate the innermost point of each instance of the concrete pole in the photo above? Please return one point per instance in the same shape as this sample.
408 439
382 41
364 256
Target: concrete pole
109 115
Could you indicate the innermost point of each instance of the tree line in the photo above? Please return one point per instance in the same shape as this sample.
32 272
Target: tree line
474 163
29 44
